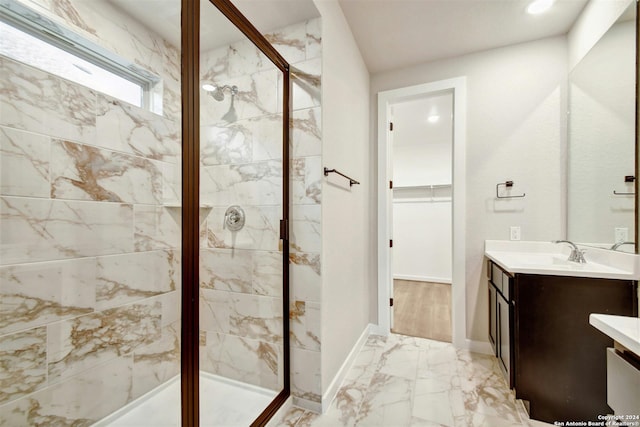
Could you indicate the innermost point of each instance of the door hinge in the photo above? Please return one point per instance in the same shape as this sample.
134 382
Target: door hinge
390 125
284 229
391 243
390 302
390 184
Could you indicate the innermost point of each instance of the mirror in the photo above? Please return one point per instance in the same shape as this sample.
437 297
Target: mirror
601 168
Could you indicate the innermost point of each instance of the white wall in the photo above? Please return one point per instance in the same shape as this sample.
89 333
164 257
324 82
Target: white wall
596 18
516 129
347 241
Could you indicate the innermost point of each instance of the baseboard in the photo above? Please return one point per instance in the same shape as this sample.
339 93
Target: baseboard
482 347
332 390
378 330
422 278
307 404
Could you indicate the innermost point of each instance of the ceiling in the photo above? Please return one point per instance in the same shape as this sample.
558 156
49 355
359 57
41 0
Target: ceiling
216 30
395 34
391 34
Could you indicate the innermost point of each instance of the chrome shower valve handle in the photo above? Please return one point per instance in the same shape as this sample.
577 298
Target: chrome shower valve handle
234 218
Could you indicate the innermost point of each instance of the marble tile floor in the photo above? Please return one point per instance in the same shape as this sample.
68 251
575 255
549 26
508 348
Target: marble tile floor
402 381
223 403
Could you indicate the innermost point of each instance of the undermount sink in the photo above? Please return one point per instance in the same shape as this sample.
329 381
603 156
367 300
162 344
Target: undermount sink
552 259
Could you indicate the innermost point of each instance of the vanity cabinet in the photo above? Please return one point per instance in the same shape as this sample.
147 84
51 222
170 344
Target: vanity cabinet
549 352
501 318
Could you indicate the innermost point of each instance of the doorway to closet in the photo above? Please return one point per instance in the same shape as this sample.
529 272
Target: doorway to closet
421 163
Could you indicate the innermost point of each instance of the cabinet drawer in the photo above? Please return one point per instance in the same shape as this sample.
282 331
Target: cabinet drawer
623 384
496 276
505 285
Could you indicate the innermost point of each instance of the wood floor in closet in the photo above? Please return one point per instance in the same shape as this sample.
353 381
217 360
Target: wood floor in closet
422 309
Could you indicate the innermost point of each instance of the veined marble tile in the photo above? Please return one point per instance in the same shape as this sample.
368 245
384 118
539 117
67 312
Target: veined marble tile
437 401
257 96
171 306
290 42
305 276
306 228
306 180
38 230
226 270
306 79
24 363
131 277
82 172
243 359
243 141
267 273
24 163
234 60
247 184
304 321
399 361
81 344
156 227
261 229
79 402
171 183
306 135
229 144
388 402
250 316
35 294
305 374
171 100
124 127
438 363
291 417
158 362
36 101
314 38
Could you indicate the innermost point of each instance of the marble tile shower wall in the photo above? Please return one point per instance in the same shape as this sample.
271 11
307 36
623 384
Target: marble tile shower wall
241 272
89 260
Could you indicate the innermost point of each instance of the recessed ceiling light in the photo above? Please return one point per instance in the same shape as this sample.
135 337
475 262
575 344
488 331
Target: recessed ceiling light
208 87
539 6
434 118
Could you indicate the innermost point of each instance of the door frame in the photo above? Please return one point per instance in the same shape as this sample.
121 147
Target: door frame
458 87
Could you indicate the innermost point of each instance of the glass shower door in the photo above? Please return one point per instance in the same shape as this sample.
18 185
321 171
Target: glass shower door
241 204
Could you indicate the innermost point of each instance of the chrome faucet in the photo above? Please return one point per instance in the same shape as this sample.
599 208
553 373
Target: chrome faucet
576 254
617 245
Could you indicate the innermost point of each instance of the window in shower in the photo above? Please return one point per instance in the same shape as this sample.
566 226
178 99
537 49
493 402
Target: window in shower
73 59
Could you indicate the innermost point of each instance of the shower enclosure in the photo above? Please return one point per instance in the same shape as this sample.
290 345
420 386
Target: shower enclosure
143 223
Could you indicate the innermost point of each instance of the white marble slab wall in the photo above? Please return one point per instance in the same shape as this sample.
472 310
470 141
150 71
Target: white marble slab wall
89 251
241 273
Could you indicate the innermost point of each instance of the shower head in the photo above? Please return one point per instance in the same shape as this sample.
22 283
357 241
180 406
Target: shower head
218 91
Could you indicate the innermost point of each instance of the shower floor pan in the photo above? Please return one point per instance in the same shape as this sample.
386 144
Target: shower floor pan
223 402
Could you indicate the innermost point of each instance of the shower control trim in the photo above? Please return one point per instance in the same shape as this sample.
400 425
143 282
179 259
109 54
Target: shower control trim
234 218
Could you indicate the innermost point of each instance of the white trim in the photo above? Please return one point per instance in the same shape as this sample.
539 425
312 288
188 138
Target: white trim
446 280
458 86
482 347
332 390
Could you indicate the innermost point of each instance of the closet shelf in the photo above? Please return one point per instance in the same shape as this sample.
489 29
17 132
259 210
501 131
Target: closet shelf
420 187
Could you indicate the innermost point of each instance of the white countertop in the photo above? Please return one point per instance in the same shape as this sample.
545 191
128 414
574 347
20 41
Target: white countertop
623 329
551 259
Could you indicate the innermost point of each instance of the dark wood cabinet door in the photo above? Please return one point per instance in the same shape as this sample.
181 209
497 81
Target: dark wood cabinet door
560 360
